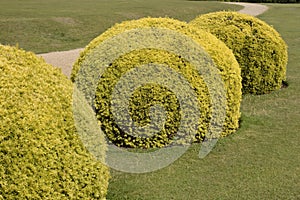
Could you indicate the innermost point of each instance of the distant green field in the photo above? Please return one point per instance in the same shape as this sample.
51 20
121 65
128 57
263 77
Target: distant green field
51 25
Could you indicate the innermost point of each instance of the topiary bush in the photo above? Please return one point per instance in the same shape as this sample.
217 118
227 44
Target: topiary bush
40 152
150 94
258 48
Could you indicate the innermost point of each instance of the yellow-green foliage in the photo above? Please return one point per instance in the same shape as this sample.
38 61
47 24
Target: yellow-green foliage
41 156
151 94
258 48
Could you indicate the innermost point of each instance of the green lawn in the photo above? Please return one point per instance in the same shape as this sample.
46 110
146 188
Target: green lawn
260 161
51 25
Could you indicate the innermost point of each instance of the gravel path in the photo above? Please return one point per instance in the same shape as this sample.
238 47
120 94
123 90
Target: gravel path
62 59
251 8
65 59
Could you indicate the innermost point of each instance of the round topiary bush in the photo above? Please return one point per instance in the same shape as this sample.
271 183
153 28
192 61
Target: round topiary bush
40 152
151 94
258 48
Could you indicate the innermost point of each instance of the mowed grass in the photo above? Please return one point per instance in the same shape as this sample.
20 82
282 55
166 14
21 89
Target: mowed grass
260 161
52 25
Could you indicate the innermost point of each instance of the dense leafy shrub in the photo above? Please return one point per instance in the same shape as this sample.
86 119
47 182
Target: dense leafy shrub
41 156
258 48
151 94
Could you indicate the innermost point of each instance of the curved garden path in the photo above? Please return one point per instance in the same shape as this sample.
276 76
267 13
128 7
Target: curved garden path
251 8
65 59
62 59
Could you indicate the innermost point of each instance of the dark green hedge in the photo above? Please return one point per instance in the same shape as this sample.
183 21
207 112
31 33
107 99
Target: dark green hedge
266 1
257 1
41 156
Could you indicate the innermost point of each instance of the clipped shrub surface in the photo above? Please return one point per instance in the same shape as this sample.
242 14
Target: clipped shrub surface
258 48
40 152
147 96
